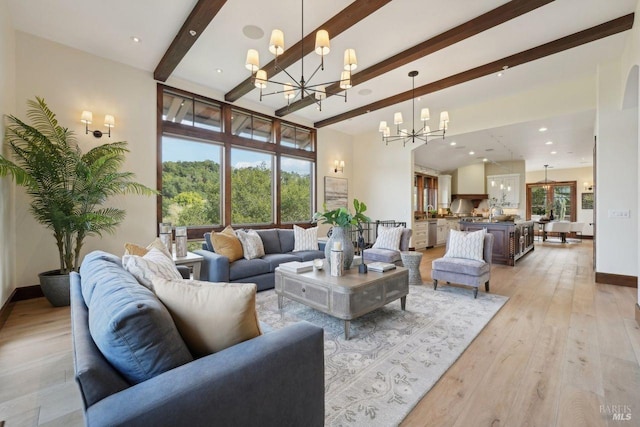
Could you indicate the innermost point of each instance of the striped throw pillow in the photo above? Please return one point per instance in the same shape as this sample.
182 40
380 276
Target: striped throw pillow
467 245
305 239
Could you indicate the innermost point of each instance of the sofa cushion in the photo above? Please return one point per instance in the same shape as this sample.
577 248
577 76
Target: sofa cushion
388 238
247 267
252 246
275 260
154 263
211 316
461 265
468 245
308 255
271 241
305 239
131 327
287 239
92 276
382 255
226 243
134 249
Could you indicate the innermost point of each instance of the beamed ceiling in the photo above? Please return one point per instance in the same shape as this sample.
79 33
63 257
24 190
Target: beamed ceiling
458 47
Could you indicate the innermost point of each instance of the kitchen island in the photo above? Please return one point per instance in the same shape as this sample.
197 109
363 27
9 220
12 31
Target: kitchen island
512 240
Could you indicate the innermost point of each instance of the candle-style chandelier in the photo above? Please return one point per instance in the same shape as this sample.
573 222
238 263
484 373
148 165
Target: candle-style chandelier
423 134
301 88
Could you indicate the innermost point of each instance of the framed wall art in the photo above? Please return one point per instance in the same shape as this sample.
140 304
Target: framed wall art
587 200
335 192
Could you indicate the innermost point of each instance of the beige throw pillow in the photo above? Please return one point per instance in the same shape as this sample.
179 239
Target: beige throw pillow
133 249
226 243
388 238
146 268
210 316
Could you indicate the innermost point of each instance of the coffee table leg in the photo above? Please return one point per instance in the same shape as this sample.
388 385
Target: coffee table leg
347 324
403 302
279 302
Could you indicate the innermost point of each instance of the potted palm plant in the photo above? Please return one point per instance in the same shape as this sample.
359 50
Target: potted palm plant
342 220
67 188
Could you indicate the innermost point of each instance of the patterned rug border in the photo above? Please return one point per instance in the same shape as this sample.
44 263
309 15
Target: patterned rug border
394 357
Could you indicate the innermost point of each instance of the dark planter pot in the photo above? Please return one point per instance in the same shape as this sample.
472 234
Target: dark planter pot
55 287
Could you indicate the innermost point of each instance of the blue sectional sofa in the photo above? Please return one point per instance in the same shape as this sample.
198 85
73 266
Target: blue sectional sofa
133 368
278 247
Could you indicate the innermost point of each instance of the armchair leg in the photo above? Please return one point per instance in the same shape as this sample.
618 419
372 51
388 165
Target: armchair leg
475 293
435 284
486 286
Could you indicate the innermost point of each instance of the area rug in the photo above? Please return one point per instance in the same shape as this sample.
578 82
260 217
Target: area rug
394 357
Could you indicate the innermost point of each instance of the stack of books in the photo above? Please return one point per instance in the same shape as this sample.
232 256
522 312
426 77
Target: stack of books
297 266
380 267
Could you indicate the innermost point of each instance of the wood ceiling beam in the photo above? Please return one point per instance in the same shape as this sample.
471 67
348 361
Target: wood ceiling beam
475 26
598 32
198 20
345 19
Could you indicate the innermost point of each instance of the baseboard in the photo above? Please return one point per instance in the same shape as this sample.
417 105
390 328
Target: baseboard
617 279
27 292
6 310
638 314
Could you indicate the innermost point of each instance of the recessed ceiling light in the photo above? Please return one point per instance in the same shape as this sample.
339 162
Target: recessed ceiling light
543 129
485 160
452 143
554 152
548 143
135 39
501 73
419 99
471 153
219 70
252 32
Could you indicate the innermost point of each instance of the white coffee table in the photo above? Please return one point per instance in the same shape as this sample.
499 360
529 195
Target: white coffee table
191 260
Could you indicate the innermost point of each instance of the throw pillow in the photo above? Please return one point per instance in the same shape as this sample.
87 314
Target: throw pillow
388 238
252 246
467 245
145 268
305 239
133 249
210 316
226 243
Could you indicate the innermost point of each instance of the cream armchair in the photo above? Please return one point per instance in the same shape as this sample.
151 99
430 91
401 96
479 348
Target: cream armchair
560 227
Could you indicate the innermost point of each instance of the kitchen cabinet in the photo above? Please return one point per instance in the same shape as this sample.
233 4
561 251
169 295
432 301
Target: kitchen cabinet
444 191
452 224
443 228
420 235
505 189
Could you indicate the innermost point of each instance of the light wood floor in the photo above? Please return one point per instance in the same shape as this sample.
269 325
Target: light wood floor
560 349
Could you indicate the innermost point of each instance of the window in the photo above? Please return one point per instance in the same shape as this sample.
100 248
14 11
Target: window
557 196
295 188
191 182
221 163
251 187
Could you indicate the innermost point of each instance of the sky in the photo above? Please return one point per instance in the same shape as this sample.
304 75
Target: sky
179 149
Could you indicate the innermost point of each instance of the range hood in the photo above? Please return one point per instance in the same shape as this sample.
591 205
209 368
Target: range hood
461 207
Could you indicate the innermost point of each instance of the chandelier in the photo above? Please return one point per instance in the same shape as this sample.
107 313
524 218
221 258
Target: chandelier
546 182
423 134
301 88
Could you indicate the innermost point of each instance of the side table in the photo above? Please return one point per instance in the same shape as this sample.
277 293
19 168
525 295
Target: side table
412 260
191 260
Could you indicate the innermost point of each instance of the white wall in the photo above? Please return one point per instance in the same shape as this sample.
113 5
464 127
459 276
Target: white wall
71 81
333 145
617 176
580 175
469 180
7 189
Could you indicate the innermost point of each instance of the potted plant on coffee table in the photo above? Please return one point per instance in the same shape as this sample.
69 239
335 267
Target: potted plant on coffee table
342 220
67 188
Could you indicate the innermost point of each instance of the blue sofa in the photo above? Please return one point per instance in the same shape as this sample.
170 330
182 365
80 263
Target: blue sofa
274 379
278 247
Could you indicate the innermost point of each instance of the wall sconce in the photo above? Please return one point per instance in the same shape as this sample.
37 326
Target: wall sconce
587 186
338 166
87 118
